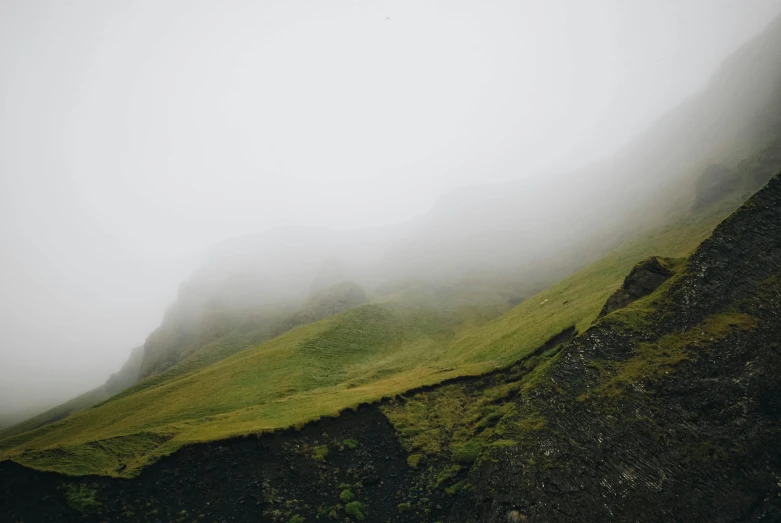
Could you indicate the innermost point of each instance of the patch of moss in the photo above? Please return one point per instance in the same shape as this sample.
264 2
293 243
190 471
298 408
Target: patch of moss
455 489
447 473
504 443
81 498
350 443
320 452
355 509
539 375
468 452
652 361
633 319
456 422
413 460
346 496
427 422
501 392
532 423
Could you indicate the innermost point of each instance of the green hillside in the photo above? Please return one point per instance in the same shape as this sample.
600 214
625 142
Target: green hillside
577 300
361 355
228 331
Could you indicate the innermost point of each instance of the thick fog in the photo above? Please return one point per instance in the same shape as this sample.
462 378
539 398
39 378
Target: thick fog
136 138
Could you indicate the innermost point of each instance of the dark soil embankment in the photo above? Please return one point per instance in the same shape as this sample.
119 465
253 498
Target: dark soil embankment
272 477
268 478
667 414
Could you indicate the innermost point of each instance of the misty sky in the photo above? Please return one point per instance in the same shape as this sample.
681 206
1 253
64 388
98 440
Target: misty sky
135 135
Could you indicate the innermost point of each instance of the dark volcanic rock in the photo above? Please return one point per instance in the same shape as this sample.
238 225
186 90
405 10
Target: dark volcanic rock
692 438
252 479
645 278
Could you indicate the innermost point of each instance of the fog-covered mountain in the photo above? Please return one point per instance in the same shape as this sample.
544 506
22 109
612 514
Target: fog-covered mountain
534 231
501 241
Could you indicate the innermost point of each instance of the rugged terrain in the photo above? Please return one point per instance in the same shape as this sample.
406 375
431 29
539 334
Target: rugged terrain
664 410
668 410
362 355
444 295
624 368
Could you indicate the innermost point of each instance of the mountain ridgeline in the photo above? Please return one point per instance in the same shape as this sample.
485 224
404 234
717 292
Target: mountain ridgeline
723 141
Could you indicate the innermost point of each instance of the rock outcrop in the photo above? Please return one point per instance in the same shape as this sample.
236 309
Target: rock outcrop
674 418
645 278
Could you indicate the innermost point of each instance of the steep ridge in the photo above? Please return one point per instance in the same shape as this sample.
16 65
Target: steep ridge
665 411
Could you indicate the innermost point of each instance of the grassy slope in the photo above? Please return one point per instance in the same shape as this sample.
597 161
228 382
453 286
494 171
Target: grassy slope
316 370
577 300
236 330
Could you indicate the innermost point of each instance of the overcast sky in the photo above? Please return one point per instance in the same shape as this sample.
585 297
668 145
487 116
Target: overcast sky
135 135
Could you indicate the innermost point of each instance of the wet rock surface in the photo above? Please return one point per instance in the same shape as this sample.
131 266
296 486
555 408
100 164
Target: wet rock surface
693 441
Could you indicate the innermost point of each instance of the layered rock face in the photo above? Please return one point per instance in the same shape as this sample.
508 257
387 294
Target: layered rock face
669 412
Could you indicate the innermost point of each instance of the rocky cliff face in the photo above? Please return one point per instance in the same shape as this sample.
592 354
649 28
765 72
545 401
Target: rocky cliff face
668 411
645 278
